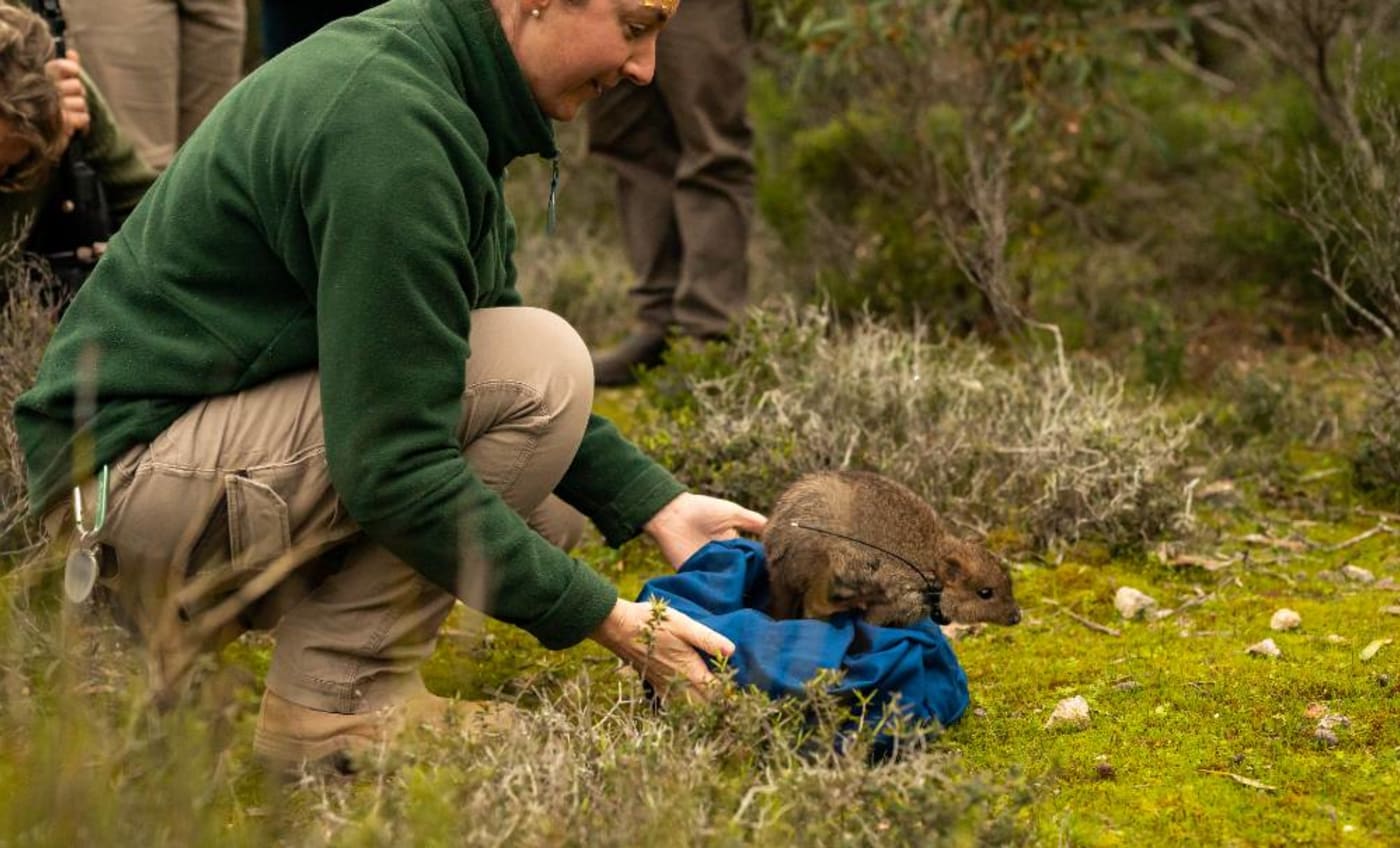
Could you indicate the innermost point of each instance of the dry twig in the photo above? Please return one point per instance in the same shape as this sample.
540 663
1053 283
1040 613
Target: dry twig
1363 536
1087 622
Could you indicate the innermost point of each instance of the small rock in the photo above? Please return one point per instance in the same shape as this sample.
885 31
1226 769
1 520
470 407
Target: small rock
1327 725
1394 610
1369 652
957 631
1357 574
1331 721
1128 685
1285 619
1387 583
979 712
1071 713
1336 639
1131 603
1266 648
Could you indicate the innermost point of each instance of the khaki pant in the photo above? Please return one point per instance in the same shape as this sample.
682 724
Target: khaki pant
162 64
240 481
682 151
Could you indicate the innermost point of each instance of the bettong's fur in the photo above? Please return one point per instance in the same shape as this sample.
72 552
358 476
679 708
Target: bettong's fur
855 541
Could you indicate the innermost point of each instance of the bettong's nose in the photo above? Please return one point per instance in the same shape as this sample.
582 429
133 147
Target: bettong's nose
1014 617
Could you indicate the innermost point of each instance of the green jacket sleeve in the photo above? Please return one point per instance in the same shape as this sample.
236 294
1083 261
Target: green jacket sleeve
392 234
612 482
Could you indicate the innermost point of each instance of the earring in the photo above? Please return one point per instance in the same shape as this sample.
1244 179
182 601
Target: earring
534 13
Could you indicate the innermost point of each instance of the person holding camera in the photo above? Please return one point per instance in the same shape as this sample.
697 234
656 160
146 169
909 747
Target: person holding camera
45 103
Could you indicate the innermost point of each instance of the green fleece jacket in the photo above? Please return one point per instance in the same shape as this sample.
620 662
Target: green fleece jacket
342 208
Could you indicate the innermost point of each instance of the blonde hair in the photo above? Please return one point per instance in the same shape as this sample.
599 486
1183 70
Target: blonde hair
29 103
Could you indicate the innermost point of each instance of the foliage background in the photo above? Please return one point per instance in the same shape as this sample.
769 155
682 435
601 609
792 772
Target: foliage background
1113 284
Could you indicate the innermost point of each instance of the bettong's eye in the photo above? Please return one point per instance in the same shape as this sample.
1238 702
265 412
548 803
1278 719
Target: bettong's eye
986 593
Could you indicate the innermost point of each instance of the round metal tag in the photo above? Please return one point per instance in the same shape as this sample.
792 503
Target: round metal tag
80 575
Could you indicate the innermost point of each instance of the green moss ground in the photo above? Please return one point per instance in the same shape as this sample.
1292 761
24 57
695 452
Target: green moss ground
1177 706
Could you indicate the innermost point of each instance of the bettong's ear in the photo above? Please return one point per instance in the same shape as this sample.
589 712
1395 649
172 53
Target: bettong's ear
952 567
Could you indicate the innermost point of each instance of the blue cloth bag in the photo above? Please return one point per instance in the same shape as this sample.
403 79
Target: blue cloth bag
724 585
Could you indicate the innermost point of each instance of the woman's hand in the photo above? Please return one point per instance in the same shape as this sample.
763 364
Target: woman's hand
674 640
687 523
71 94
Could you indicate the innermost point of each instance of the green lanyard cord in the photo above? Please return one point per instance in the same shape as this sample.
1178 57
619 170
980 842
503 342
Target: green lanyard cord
101 517
550 220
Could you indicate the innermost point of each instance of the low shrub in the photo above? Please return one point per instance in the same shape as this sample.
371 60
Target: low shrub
1376 460
26 322
1057 449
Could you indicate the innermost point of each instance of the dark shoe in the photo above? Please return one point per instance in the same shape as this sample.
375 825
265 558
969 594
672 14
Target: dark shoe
618 366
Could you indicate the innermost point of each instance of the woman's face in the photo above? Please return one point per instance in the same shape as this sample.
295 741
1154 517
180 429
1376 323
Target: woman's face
571 53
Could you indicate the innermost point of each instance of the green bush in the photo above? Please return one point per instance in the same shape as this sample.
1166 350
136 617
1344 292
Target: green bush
1376 460
914 145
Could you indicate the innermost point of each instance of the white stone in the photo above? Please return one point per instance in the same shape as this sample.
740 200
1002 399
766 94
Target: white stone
1131 603
1369 652
1266 648
1071 712
1285 619
1332 721
1357 574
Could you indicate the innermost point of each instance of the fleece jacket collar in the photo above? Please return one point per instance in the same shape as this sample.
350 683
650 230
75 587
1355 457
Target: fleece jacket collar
485 71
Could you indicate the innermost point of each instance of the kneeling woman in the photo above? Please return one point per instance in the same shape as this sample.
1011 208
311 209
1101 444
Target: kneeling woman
305 352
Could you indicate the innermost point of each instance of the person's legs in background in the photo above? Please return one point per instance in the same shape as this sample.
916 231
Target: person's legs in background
630 128
211 57
162 64
131 49
682 152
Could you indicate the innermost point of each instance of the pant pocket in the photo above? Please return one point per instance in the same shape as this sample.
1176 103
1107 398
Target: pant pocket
259 529
248 530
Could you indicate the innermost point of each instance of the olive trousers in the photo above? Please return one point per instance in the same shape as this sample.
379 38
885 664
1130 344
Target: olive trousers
228 522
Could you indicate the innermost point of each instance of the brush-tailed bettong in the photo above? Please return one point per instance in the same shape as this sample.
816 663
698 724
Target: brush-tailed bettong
856 541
